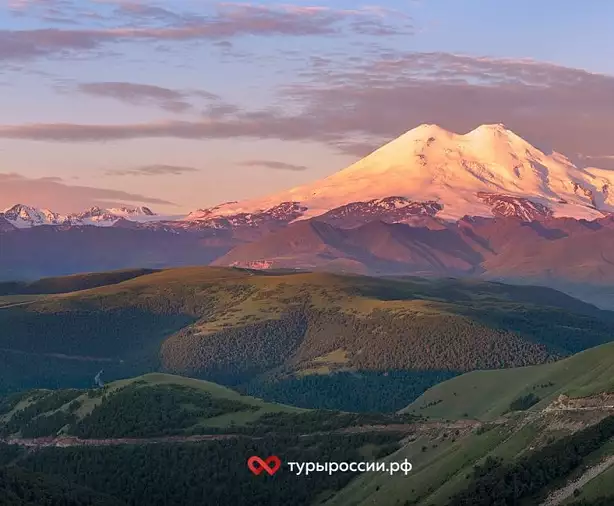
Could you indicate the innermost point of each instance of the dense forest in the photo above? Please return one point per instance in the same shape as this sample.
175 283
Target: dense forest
152 411
145 410
378 341
208 473
362 391
235 354
21 488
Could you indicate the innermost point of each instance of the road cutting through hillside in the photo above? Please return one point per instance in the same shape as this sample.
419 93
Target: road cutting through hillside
69 441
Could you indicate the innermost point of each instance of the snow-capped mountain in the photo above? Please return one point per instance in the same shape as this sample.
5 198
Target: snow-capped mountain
214 217
23 216
488 171
424 177
108 217
390 210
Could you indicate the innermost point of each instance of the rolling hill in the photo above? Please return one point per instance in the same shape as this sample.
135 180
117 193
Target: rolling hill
163 439
488 394
271 333
531 420
153 405
73 283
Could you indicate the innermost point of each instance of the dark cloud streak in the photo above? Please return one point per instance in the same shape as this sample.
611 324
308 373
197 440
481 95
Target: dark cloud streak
145 94
153 170
272 164
231 20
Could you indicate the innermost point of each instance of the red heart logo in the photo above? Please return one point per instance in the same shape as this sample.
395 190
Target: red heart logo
271 465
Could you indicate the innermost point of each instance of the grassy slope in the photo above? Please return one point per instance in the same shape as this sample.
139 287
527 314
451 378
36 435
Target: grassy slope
440 466
71 283
487 394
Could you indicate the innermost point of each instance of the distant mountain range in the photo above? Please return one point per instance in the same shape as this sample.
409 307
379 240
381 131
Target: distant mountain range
431 202
23 216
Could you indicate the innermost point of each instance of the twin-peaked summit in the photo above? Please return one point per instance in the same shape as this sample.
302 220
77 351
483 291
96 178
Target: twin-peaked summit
426 172
489 170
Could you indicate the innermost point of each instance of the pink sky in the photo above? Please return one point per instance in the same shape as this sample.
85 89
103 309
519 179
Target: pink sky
187 104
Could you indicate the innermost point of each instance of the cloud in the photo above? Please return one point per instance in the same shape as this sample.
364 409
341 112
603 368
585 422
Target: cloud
230 20
144 94
53 193
362 104
141 11
272 164
153 170
604 162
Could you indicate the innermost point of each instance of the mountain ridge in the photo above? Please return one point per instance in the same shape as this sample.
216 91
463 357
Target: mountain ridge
25 216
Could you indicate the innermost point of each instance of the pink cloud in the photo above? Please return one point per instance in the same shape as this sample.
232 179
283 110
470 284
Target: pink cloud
55 194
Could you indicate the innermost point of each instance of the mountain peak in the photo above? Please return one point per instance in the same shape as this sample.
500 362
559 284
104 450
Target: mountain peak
492 127
432 164
493 131
427 132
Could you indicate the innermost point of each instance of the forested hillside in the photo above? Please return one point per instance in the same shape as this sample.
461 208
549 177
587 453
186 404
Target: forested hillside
269 333
169 440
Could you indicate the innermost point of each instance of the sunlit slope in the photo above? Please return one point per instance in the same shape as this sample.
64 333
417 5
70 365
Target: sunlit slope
73 283
488 394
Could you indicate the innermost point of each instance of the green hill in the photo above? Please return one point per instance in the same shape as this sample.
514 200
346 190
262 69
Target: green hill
147 406
163 439
488 394
73 283
269 334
